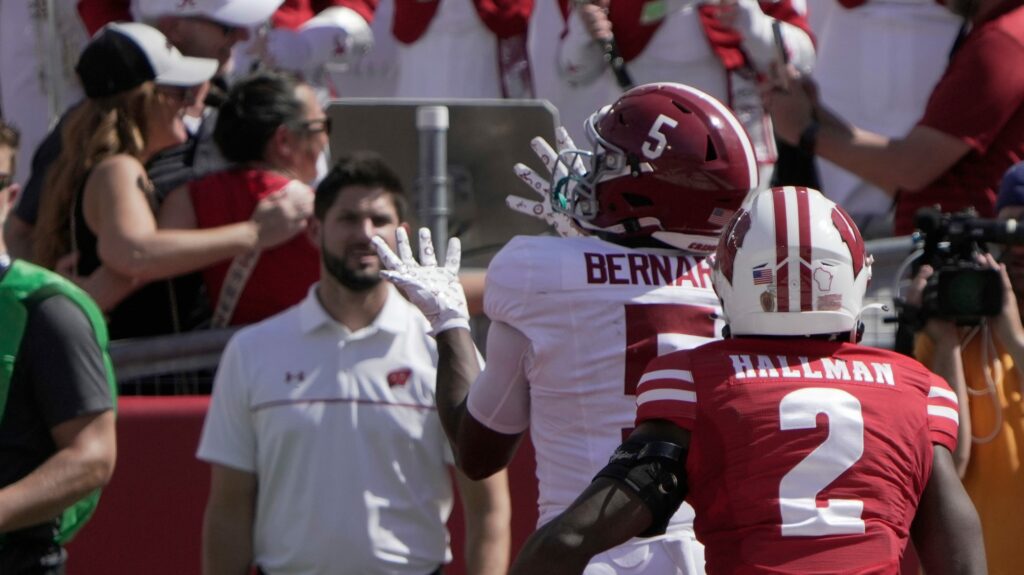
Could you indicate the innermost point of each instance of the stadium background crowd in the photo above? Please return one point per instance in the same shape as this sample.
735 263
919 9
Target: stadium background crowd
884 105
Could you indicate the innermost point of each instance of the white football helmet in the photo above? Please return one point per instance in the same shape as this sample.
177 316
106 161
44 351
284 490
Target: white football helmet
791 262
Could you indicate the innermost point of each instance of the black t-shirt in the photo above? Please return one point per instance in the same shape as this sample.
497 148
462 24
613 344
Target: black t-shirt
58 375
161 307
169 169
43 157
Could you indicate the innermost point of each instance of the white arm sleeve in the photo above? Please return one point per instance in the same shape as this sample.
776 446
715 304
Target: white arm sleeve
500 397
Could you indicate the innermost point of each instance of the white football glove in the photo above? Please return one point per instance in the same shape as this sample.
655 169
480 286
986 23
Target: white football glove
580 57
334 35
435 290
563 224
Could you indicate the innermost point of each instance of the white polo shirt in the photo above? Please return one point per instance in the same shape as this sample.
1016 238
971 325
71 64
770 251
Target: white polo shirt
342 431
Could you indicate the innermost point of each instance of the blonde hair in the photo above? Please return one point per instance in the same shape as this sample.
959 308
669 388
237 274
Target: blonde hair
94 131
9 138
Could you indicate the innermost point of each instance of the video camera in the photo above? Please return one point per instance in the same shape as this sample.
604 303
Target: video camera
962 289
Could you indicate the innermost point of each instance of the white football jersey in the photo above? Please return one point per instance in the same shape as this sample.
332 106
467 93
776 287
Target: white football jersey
595 314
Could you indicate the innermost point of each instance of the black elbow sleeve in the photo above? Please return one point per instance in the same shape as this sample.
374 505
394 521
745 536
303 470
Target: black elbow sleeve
656 472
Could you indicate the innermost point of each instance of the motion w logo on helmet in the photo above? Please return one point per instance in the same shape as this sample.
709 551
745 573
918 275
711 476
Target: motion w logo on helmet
802 254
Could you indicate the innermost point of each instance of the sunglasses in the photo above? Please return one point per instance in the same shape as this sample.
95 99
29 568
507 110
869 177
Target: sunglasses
6 180
323 125
178 93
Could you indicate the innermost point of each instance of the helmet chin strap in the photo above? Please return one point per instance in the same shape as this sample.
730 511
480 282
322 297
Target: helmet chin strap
691 244
617 229
694 244
858 333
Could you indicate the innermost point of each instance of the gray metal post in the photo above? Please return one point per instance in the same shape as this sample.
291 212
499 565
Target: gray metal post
53 65
432 125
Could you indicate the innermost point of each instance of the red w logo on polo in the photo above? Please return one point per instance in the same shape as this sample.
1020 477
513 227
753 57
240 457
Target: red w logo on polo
186 4
399 377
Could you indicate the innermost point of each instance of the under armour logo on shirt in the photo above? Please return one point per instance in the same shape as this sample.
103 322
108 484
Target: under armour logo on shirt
296 377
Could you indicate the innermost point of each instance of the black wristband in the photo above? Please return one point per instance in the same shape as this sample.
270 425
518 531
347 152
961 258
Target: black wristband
809 137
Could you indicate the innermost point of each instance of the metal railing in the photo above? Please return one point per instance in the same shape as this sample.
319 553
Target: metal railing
185 363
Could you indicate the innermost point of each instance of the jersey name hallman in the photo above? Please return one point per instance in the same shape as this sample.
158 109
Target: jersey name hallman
781 366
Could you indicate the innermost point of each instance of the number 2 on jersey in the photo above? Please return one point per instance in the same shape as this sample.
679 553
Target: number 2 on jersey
799 488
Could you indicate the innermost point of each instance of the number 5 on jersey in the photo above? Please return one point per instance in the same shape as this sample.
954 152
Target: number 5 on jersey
659 328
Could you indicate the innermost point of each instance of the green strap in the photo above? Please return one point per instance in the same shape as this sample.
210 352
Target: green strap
13 315
23 286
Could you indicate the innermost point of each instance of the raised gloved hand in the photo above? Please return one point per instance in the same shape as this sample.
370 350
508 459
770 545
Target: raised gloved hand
563 224
336 34
435 290
757 31
581 56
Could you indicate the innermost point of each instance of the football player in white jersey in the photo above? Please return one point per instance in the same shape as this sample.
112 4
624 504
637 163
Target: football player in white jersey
574 320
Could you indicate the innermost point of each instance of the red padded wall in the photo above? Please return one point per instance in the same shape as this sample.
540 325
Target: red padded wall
150 517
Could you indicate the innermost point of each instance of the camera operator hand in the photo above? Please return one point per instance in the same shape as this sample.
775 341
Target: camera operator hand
947 363
1007 325
941 331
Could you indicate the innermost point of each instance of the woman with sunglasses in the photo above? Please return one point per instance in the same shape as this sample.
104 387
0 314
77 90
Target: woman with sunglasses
101 203
273 130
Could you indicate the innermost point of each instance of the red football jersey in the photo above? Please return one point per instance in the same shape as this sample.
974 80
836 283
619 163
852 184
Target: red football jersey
805 457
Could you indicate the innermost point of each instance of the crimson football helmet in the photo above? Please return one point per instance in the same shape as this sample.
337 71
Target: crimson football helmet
791 262
668 162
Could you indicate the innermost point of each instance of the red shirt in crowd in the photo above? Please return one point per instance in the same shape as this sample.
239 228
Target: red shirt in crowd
283 274
979 100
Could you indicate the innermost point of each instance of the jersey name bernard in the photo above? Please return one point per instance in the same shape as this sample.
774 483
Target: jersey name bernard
645 269
747 366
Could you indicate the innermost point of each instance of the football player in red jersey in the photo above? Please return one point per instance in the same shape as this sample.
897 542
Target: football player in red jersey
813 454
